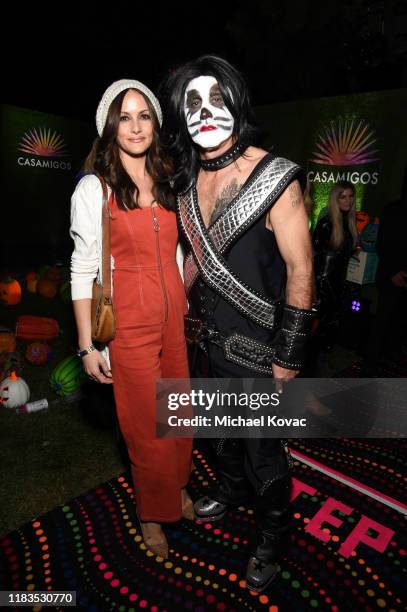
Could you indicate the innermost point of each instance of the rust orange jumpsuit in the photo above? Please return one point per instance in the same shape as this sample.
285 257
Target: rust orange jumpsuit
150 303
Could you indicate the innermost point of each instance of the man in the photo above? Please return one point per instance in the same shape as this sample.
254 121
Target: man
248 275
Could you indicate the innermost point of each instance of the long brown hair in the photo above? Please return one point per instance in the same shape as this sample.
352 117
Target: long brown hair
308 200
104 159
335 216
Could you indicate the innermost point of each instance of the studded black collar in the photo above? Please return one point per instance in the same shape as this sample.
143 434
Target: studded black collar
227 158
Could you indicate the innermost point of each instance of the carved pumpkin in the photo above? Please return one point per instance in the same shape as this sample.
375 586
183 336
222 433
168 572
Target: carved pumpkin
46 288
30 327
38 353
362 219
7 342
14 391
10 291
68 376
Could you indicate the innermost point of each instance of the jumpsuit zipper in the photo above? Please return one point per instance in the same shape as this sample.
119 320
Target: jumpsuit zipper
157 244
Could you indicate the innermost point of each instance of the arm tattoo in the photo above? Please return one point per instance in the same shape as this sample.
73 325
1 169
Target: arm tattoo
295 194
224 199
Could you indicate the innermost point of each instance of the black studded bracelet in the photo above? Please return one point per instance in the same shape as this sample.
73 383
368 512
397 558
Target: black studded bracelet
290 341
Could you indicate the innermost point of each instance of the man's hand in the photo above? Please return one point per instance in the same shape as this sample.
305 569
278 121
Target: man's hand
400 279
280 373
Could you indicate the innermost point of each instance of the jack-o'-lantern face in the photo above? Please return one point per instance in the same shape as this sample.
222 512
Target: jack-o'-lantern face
4 395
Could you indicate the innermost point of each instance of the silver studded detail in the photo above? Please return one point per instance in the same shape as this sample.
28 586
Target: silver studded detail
207 246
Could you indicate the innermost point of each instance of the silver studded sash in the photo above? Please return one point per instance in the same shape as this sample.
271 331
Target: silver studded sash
207 246
259 193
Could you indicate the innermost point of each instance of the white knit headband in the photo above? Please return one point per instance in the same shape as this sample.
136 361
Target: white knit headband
113 91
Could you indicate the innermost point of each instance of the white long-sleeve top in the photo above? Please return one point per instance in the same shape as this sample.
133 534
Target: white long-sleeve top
86 232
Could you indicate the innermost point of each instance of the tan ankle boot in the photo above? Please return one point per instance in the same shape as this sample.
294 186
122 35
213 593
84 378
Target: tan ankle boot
187 506
154 538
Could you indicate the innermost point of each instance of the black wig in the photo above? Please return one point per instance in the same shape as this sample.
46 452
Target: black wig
175 132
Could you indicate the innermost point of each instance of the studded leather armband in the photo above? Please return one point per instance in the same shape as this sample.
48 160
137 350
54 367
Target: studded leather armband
291 338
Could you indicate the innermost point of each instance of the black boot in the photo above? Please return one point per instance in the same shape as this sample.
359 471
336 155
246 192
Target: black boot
208 509
232 489
273 520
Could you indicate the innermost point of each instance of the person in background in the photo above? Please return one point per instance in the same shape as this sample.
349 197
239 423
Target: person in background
335 239
308 201
148 297
388 335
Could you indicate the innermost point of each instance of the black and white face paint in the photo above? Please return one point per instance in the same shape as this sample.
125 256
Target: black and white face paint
208 119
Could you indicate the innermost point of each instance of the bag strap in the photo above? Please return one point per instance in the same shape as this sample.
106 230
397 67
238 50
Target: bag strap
107 290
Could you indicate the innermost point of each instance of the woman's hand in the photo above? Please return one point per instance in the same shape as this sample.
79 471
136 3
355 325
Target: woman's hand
96 368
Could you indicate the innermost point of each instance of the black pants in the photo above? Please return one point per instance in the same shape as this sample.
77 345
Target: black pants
250 468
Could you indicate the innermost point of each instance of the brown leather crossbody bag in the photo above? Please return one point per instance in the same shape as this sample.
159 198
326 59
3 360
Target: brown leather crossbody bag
102 312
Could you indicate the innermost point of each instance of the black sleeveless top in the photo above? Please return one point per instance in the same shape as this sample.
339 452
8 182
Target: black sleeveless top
256 260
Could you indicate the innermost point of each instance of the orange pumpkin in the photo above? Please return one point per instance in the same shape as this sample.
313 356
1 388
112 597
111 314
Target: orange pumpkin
31 281
7 342
46 288
32 285
30 276
10 291
53 274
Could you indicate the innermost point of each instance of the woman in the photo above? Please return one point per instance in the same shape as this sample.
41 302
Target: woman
308 201
148 294
335 239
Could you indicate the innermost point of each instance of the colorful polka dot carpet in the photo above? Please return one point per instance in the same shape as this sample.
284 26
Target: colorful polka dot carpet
346 552
378 463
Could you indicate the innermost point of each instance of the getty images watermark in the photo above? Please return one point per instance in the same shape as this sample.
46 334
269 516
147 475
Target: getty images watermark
304 408
219 400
